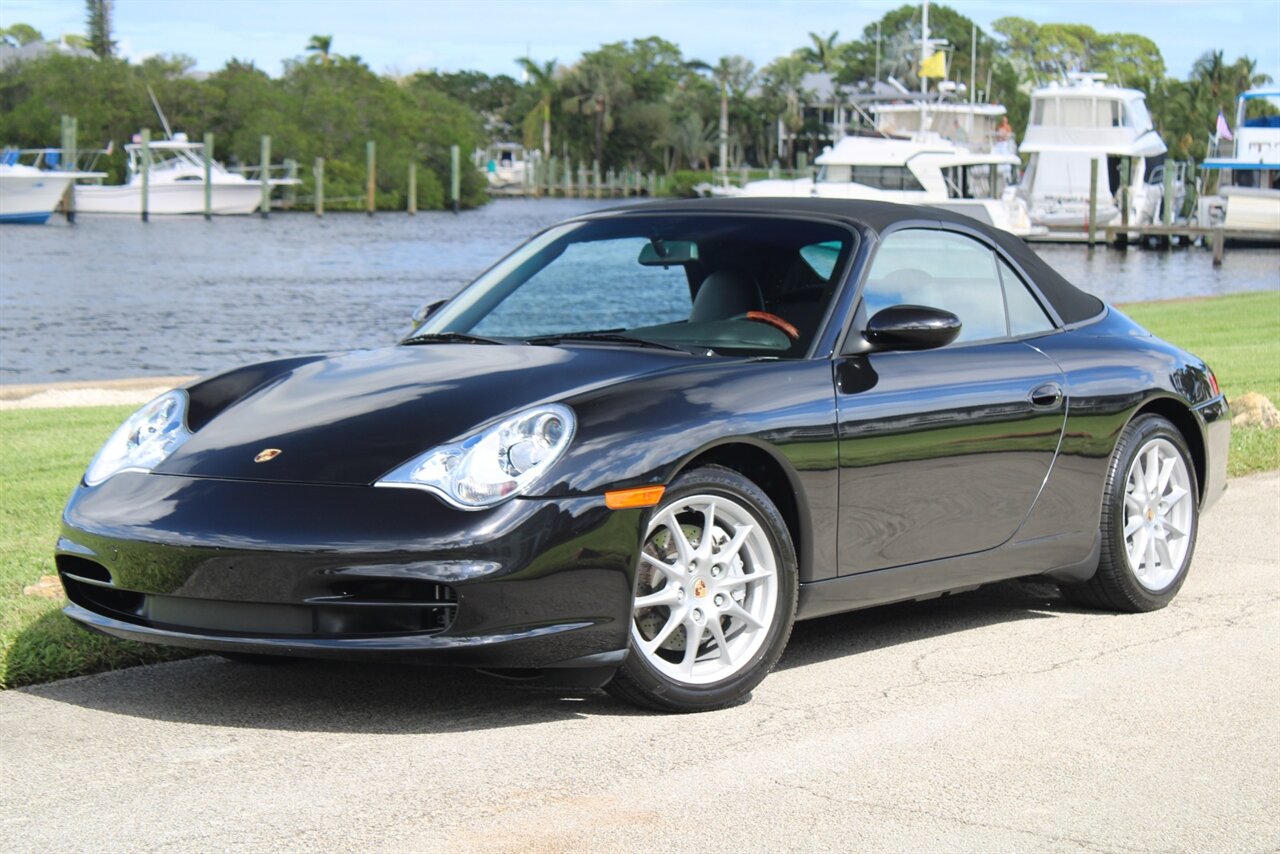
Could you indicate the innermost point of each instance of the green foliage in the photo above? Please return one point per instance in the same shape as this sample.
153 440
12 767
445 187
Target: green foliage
327 106
628 105
20 34
1047 52
1186 112
98 26
681 183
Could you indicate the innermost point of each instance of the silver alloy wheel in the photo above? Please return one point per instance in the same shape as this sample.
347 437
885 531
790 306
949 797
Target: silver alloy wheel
1158 514
707 591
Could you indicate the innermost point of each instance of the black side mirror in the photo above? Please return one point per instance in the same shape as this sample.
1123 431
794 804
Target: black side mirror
911 327
426 311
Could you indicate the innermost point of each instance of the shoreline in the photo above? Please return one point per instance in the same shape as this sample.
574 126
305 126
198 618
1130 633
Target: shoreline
70 393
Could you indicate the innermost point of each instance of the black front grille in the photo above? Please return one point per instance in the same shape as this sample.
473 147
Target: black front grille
369 609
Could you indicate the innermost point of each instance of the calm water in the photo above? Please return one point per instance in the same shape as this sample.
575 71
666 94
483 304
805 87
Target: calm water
111 297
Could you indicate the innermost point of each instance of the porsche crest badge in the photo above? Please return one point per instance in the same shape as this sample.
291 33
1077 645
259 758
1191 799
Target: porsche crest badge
266 455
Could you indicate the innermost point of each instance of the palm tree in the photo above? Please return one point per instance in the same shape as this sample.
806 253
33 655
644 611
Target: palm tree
825 54
786 78
603 84
689 140
542 79
734 74
321 46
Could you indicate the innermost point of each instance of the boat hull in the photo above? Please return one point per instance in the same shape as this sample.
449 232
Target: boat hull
30 199
169 199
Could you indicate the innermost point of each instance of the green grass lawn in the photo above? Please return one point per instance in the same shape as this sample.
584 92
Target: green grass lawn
1239 336
43 452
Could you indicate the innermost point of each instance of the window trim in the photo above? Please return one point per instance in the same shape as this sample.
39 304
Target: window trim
850 343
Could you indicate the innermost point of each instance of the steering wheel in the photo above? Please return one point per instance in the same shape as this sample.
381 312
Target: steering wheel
774 321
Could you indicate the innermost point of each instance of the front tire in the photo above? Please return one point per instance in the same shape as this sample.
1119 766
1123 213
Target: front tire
1150 516
715 595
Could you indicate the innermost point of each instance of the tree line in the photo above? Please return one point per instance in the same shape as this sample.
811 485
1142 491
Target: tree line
640 104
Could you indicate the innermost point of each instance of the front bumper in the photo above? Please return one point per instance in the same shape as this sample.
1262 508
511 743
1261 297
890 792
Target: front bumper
332 571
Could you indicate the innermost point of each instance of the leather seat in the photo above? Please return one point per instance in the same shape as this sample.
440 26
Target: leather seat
723 295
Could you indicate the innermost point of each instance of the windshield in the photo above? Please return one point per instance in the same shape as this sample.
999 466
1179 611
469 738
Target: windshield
733 285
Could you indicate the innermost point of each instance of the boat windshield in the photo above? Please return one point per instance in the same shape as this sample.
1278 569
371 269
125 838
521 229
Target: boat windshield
729 285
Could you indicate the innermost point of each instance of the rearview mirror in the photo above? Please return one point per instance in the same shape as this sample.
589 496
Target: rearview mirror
911 327
667 253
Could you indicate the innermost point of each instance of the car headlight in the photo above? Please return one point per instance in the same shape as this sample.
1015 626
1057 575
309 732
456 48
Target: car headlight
143 441
494 464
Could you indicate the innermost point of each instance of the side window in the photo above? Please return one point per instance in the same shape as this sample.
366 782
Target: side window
942 270
1026 317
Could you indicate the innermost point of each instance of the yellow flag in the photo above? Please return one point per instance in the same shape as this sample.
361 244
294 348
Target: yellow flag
934 65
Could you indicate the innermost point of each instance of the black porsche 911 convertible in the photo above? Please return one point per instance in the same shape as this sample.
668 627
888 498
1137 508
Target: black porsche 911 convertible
646 442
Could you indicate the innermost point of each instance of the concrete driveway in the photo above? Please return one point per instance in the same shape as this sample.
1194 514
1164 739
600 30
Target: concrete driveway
999 720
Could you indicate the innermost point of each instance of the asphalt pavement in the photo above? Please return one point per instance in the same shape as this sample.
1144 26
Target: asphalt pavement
998 720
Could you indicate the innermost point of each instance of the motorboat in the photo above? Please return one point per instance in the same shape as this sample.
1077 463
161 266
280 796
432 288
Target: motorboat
175 183
1085 121
1247 199
29 192
924 170
506 166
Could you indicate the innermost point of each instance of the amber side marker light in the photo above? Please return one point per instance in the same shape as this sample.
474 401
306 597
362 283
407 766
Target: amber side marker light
640 496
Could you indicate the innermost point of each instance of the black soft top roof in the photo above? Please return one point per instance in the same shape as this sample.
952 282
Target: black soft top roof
1071 303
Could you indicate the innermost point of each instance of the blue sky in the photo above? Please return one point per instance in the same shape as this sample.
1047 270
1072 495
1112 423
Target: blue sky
407 35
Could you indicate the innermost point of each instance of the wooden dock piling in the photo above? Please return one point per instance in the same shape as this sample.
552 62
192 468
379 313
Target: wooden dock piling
291 189
207 163
146 172
317 172
455 176
371 179
413 188
265 176
70 158
1093 199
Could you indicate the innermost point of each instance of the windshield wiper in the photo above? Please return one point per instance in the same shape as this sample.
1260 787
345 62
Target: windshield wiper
610 336
451 338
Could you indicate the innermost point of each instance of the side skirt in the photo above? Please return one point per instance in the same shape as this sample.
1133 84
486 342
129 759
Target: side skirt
953 575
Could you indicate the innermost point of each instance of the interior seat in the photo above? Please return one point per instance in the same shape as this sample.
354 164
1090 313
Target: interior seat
725 294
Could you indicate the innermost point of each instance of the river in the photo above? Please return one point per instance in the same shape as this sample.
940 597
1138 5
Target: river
113 297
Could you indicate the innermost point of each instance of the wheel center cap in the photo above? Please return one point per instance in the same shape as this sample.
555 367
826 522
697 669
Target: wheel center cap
699 588
1151 514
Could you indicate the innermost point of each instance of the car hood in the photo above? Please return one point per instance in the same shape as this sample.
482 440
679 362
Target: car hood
352 417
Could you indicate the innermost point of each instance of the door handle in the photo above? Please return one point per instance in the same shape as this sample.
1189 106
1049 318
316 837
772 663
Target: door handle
1047 396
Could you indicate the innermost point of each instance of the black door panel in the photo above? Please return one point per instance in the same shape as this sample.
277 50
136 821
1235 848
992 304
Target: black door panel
942 452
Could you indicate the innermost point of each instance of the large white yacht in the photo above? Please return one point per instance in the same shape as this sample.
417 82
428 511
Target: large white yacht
175 184
1247 200
1084 121
915 171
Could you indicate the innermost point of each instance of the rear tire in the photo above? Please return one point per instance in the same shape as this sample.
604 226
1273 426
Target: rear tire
717 566
1150 516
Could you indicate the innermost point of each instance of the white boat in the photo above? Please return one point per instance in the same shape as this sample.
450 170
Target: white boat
1073 125
505 165
1247 201
969 125
175 184
29 194
917 171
